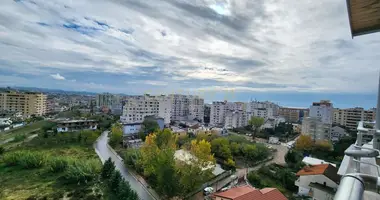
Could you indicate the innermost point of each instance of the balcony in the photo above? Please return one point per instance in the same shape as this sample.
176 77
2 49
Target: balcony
359 169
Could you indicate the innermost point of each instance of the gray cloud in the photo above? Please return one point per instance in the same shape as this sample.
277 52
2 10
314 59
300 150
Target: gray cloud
247 45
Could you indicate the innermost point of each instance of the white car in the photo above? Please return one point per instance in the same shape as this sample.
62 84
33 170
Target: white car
208 190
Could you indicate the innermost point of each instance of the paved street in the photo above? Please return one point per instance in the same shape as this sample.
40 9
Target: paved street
104 153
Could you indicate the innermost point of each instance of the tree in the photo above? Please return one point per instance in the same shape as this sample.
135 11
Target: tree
116 135
221 148
304 142
108 169
149 126
115 181
202 151
124 190
157 158
256 123
323 145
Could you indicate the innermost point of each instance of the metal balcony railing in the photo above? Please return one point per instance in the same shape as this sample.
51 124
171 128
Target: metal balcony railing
356 181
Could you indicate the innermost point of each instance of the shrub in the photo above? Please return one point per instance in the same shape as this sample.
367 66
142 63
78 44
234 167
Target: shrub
59 164
12 158
30 160
2 150
82 171
19 138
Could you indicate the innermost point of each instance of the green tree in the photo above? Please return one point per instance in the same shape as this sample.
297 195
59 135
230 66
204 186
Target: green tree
116 135
235 149
149 126
221 148
2 150
124 190
108 169
256 123
115 181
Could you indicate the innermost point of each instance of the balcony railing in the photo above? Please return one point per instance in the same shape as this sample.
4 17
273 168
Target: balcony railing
361 157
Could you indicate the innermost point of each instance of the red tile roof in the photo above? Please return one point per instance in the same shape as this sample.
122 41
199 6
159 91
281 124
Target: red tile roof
250 193
323 169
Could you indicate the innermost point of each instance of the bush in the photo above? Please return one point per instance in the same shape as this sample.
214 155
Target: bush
82 171
59 164
30 160
27 160
2 150
19 138
12 159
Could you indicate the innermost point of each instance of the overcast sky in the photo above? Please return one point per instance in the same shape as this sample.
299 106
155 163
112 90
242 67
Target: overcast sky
245 48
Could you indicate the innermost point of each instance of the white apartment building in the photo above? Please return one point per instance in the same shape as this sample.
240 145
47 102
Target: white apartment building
322 110
263 113
314 127
218 113
136 108
235 119
350 117
253 105
186 107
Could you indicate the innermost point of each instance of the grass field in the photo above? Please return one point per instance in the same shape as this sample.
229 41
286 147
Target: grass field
25 130
40 183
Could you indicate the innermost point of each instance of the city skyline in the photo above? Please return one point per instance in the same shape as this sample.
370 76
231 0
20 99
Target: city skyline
137 48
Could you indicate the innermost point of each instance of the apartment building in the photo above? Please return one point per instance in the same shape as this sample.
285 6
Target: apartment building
316 128
293 114
350 117
290 114
27 103
322 110
254 105
218 113
187 107
136 108
108 100
235 119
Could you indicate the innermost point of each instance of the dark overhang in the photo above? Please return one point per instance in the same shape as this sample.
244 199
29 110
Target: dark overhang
364 16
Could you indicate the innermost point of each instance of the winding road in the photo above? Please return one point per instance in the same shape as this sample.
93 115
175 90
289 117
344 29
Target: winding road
104 153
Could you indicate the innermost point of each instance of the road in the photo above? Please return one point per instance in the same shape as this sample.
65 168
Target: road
104 153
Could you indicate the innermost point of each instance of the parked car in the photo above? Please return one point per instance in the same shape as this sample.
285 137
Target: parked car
208 190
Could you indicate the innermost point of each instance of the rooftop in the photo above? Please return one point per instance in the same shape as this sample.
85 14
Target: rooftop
249 193
322 169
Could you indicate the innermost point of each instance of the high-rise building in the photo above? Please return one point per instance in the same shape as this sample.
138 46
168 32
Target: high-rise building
316 128
235 119
318 124
254 105
218 113
136 108
187 107
108 100
350 117
290 114
27 103
322 110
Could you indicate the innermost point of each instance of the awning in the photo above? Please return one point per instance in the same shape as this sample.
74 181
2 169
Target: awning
364 16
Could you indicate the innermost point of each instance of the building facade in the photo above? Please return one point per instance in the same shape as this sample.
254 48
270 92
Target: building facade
350 117
218 113
136 108
293 114
25 103
322 110
76 125
315 128
186 107
235 119
108 100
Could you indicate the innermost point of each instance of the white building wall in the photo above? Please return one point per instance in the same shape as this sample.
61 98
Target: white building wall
217 113
304 181
323 111
138 107
316 129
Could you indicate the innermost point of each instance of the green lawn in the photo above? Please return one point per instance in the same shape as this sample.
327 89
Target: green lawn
19 183
28 129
